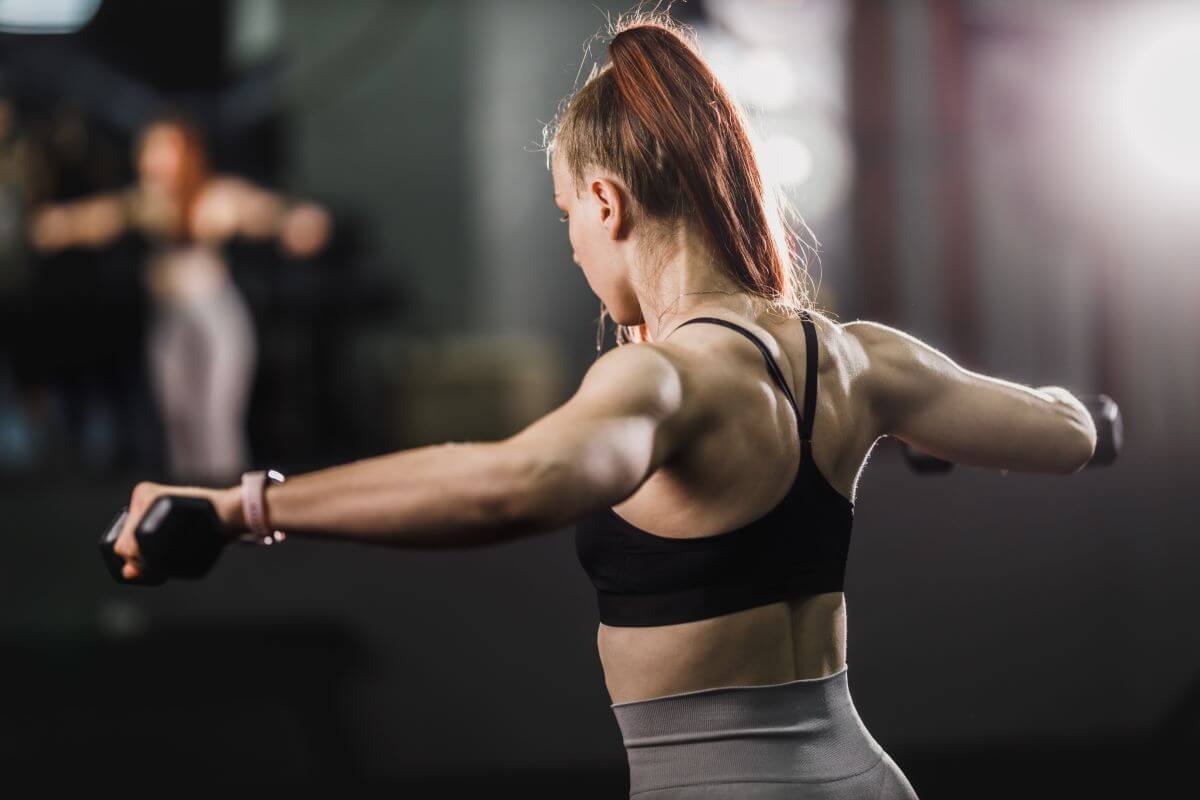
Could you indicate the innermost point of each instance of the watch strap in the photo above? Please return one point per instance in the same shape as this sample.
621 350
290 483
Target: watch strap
254 506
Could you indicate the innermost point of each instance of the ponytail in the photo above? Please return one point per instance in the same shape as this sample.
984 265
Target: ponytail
657 117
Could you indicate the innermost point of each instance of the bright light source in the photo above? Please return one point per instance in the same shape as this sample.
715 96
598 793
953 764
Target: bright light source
1156 100
46 16
1141 77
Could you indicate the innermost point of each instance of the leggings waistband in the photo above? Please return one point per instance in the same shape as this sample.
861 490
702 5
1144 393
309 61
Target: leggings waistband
806 730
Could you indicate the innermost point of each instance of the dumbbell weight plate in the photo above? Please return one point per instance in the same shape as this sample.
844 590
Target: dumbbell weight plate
924 463
180 536
1110 431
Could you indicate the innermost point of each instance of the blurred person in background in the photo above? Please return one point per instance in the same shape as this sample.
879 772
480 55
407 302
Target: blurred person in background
201 344
72 391
15 189
17 185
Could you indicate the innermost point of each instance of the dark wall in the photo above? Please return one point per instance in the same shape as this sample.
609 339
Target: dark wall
375 102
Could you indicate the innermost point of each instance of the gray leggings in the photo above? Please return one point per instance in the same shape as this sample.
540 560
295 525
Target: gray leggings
202 357
801 740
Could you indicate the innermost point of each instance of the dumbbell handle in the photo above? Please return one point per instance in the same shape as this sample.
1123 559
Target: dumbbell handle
923 463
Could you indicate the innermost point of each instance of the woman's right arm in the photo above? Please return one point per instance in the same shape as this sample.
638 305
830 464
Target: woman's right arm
921 396
91 222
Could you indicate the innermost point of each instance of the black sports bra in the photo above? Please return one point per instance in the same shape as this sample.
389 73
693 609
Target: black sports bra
797 548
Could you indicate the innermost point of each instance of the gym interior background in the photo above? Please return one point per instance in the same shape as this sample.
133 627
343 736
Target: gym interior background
1016 183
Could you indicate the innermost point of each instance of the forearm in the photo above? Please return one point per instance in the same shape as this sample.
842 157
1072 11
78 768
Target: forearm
450 495
302 228
261 214
94 222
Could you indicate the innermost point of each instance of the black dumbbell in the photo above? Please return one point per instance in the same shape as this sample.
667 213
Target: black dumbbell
1110 429
1109 437
179 537
924 463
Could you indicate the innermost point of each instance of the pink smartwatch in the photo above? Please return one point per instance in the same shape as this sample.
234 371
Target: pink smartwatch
254 507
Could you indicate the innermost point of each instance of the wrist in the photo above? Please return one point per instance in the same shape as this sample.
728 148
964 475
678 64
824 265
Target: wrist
229 510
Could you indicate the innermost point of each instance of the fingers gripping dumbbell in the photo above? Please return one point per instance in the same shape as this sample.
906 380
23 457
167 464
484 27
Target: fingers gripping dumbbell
178 537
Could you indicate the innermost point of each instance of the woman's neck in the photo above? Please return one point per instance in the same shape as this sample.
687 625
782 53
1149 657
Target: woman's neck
692 278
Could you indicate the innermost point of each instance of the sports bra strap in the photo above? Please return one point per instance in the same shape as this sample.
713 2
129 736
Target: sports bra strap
804 420
810 375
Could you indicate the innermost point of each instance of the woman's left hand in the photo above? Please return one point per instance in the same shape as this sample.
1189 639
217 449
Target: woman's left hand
227 503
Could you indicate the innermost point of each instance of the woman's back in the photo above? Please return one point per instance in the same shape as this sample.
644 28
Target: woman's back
871 381
734 475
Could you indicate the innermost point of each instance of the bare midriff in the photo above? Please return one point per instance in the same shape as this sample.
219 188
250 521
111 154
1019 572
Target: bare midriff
186 274
775 643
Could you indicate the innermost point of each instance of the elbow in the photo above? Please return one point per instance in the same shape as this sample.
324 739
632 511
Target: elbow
549 492
526 495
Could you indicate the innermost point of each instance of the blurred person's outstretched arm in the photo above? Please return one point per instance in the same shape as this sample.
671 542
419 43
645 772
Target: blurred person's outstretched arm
90 222
232 206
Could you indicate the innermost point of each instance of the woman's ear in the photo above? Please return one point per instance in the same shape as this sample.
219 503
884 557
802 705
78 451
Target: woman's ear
610 199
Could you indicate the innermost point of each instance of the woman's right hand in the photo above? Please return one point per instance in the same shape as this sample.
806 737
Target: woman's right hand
226 503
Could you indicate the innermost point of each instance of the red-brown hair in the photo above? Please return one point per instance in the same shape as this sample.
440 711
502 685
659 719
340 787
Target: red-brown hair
657 117
194 167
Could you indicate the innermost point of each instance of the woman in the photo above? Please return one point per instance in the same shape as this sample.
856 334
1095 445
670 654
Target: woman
710 465
201 344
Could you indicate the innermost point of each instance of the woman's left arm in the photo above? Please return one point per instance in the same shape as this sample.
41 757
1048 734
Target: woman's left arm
627 418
